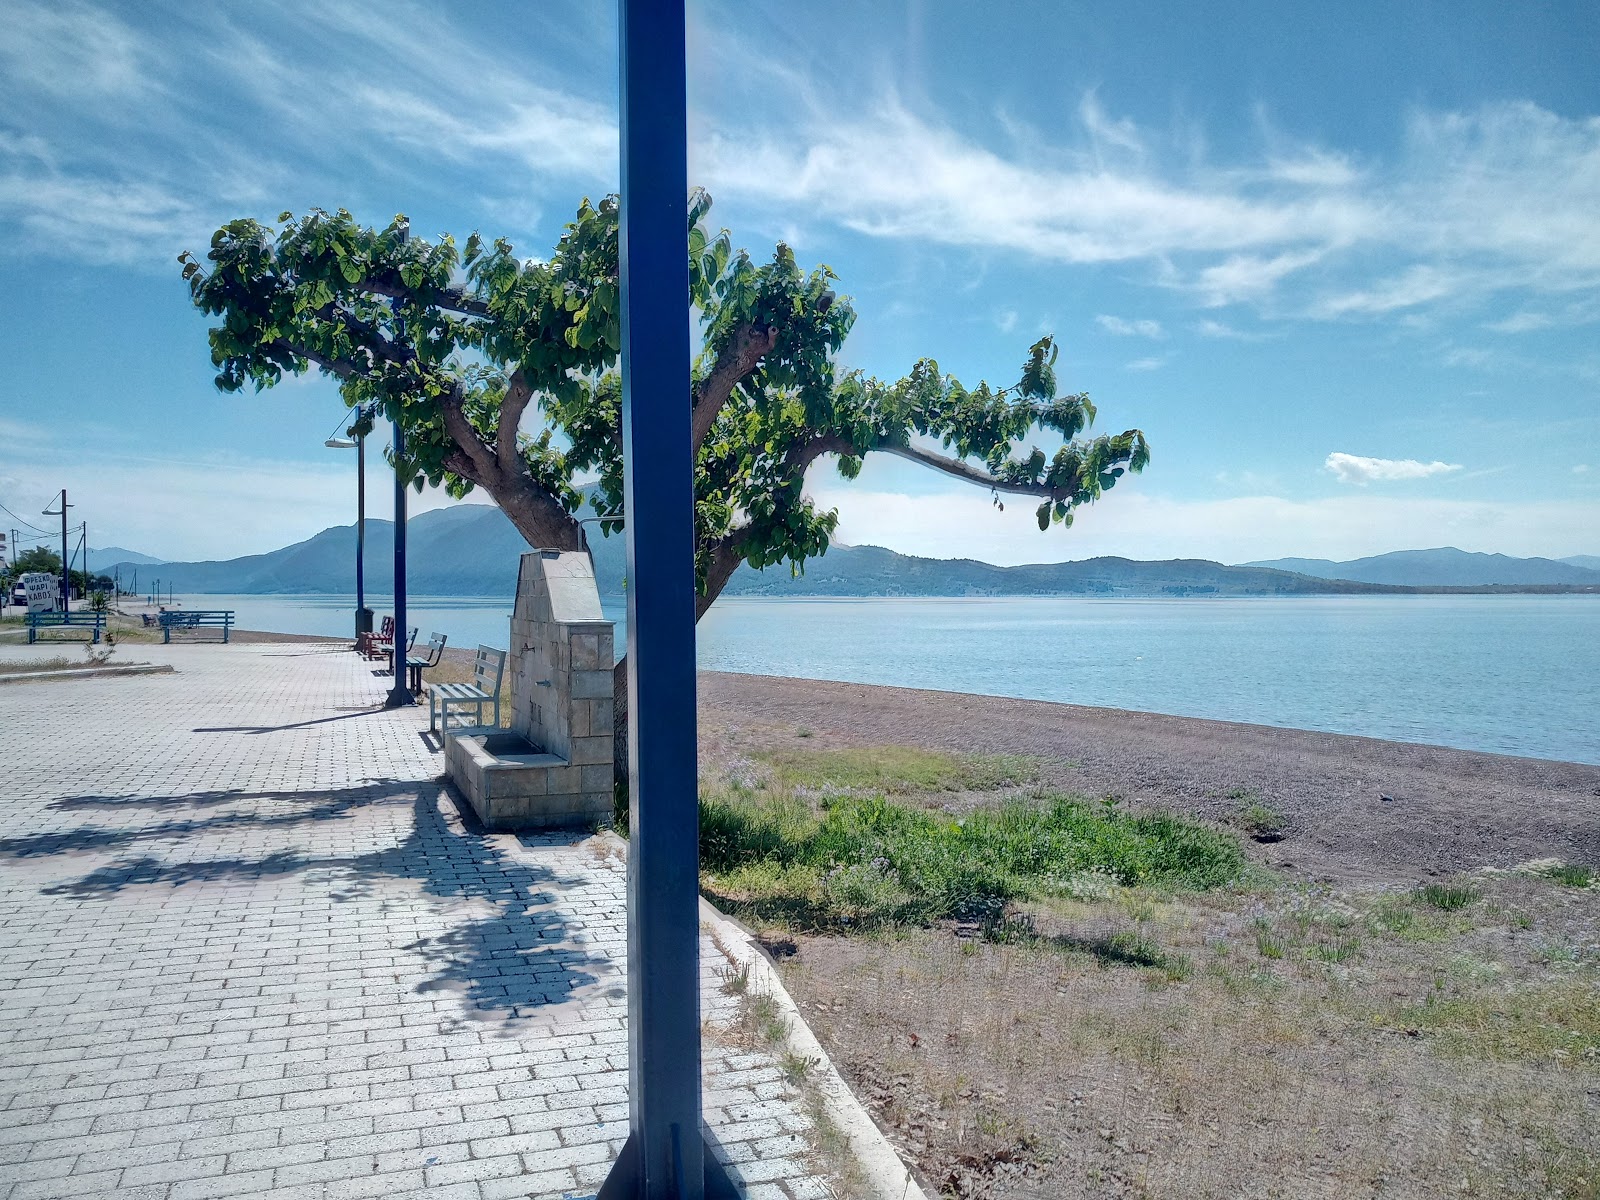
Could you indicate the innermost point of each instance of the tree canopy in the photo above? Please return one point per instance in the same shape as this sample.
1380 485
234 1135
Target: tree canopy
465 345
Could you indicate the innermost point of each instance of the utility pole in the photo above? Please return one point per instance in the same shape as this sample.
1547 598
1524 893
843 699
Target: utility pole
66 578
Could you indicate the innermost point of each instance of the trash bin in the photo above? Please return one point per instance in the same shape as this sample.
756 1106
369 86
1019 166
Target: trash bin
363 621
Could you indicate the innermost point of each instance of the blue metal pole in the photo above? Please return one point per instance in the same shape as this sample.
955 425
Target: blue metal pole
400 693
665 1156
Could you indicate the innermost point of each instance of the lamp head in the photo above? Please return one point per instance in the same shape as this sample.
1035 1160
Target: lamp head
339 444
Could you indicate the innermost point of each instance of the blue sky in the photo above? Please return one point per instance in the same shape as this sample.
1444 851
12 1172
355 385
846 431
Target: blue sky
1341 263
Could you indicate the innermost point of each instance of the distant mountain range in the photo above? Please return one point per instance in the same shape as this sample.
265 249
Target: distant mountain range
473 549
1445 567
114 556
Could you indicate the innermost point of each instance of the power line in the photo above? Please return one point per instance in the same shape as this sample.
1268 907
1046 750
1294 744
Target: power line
20 521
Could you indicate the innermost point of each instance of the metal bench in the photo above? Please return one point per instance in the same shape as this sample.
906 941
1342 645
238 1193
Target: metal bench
488 665
95 622
418 665
197 618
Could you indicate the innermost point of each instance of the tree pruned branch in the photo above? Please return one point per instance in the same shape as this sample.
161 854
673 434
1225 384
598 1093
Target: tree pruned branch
965 471
739 357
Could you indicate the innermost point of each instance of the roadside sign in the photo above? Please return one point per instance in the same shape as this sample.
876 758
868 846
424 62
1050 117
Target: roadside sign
44 591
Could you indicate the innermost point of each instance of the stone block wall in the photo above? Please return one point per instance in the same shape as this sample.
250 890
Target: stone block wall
562 654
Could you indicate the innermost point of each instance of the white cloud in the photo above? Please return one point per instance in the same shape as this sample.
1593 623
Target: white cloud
1124 328
1352 468
1216 329
1471 203
1522 322
1153 363
1006 320
1581 469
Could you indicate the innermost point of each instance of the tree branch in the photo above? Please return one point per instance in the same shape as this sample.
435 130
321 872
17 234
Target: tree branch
517 396
959 469
739 357
726 555
453 299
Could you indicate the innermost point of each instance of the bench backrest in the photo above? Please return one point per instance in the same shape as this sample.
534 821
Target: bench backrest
487 666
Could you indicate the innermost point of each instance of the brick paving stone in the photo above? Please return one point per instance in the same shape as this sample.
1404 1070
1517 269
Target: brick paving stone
249 946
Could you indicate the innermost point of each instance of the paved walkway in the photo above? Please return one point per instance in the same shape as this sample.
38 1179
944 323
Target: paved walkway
248 947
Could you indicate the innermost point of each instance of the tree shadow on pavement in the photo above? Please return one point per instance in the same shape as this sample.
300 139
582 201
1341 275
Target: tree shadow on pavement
514 952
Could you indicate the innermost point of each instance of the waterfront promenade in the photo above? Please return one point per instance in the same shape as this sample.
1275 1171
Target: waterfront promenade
249 947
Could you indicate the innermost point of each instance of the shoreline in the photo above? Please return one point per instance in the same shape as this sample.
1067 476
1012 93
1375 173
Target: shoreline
1447 810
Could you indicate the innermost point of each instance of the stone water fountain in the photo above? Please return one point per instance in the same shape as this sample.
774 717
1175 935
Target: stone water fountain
553 767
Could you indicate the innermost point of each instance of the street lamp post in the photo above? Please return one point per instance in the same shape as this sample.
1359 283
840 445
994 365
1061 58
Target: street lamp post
400 693
664 1156
360 446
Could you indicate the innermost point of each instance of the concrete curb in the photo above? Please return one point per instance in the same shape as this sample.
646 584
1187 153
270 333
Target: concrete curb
886 1177
85 673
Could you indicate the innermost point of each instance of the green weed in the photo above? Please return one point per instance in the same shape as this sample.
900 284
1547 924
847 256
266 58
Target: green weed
865 861
1448 897
1572 875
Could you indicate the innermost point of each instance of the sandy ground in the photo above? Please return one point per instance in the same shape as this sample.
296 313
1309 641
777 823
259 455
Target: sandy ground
1355 809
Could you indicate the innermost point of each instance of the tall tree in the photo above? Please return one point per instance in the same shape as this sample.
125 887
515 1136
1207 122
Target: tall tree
502 372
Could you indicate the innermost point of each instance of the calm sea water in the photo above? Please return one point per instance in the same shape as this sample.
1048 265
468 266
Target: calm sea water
1508 674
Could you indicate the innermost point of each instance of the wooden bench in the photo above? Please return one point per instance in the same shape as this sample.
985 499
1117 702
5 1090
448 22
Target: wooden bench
197 618
418 665
95 622
487 668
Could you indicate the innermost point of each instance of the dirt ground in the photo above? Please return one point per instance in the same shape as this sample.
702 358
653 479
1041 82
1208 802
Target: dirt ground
1325 1031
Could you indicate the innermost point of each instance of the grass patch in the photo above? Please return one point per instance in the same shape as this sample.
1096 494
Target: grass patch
1448 897
38 665
1260 820
1404 917
1572 875
1545 1021
896 770
869 861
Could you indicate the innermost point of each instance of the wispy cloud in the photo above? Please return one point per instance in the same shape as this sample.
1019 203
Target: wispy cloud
1217 329
1152 363
1522 322
1495 199
1352 468
1124 328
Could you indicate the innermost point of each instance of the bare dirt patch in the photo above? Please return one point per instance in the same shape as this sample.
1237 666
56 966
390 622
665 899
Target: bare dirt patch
1414 1010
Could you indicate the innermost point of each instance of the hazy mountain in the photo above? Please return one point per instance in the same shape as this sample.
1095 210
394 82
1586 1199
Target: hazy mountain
470 549
473 550
874 571
1444 567
111 556
1589 561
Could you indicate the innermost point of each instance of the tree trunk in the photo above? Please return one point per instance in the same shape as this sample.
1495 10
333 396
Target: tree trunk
619 726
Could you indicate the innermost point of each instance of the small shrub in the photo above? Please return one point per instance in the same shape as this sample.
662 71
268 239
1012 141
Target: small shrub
1448 897
797 1068
1572 875
1336 949
1260 821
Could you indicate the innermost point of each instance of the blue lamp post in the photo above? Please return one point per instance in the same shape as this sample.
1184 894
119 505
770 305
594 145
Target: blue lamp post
665 1156
400 694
